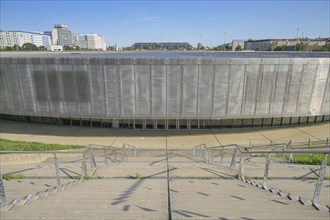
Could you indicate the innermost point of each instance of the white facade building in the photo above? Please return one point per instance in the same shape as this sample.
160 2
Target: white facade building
55 48
11 38
96 42
80 41
236 43
61 35
90 42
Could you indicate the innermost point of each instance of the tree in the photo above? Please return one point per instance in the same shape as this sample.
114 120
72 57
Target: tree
302 46
9 48
29 46
16 47
110 48
77 48
146 47
42 48
325 48
68 48
279 48
238 48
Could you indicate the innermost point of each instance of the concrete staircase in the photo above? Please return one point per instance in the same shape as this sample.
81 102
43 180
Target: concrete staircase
100 199
231 199
153 187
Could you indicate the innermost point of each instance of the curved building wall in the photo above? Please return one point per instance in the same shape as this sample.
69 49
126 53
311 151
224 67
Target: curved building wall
128 88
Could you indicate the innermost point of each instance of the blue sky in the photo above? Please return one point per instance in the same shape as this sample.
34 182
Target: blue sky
209 22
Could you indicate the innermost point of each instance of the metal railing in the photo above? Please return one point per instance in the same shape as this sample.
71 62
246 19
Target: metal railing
200 151
109 152
286 149
321 174
86 155
130 150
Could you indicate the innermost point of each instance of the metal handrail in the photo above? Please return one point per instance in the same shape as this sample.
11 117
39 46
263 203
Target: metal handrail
133 149
124 155
287 149
237 148
198 149
105 149
88 152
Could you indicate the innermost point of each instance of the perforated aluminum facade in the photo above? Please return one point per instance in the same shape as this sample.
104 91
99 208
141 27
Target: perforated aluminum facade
164 87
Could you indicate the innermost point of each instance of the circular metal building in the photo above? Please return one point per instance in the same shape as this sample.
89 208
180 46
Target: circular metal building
166 90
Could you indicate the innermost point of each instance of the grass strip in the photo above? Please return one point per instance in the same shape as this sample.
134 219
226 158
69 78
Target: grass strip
34 146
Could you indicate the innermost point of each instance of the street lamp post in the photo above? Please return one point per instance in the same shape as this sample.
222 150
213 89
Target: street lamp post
297 38
132 42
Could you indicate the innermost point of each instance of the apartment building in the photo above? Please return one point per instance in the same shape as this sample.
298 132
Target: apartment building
11 38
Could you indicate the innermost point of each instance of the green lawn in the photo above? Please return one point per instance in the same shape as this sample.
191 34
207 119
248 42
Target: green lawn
314 159
13 176
33 146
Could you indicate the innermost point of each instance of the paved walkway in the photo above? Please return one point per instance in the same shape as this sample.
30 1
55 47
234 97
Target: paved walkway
157 139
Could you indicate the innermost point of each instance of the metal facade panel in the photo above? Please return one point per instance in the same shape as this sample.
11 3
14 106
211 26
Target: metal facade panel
208 89
84 95
306 88
15 90
251 86
143 93
158 90
127 90
113 93
221 82
325 108
174 82
319 90
278 95
53 87
189 90
69 89
266 85
205 90
293 88
97 88
41 87
25 84
5 104
236 88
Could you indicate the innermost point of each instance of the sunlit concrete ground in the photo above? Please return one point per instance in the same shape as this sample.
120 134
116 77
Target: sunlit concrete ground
157 139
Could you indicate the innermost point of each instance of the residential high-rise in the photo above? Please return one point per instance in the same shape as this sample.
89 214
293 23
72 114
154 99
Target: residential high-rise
96 42
61 35
11 38
80 41
90 41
